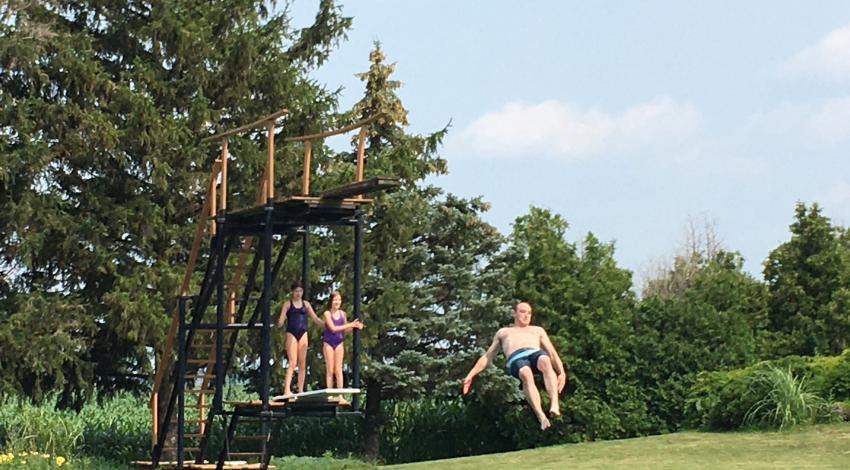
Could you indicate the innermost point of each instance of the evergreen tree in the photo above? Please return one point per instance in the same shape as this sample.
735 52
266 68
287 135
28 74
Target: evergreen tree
808 280
425 255
101 108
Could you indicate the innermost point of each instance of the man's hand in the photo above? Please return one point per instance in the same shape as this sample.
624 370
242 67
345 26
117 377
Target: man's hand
467 384
562 381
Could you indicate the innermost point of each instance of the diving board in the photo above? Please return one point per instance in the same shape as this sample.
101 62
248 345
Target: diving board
317 395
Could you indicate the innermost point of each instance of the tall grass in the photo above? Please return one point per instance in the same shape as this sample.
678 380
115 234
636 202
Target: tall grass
118 428
24 427
783 400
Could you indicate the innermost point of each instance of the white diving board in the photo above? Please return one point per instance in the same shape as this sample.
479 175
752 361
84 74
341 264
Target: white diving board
318 395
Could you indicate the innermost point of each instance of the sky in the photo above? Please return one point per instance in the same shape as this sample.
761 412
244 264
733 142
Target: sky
629 119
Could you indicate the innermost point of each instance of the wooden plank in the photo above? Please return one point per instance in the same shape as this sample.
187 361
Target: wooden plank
256 403
224 158
270 163
361 153
247 127
341 130
361 187
230 465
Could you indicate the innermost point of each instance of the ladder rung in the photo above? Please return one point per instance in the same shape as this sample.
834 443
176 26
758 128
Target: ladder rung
201 391
197 376
227 326
209 345
250 438
193 436
248 419
185 449
201 361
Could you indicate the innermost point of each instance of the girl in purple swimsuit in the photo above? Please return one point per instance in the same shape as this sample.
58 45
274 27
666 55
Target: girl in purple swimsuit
334 351
294 312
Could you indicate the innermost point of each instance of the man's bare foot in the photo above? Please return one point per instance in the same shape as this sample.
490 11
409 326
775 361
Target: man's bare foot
554 412
544 423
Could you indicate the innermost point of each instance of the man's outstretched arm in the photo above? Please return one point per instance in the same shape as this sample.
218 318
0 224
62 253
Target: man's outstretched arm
556 360
481 364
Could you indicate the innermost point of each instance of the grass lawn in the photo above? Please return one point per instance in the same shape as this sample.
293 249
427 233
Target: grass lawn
826 446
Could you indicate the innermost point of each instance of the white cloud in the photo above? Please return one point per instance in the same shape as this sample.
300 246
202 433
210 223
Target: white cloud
561 130
829 58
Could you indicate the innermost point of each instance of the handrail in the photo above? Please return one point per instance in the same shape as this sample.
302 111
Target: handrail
308 149
165 360
341 130
223 135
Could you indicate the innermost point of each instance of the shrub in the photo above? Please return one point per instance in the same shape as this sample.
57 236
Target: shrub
788 386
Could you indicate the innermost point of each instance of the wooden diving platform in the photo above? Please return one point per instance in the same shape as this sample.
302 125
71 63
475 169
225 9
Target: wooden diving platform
332 207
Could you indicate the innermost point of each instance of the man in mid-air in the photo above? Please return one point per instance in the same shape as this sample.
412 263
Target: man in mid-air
528 350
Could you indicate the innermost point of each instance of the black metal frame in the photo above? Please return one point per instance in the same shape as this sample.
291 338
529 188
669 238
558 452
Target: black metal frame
228 232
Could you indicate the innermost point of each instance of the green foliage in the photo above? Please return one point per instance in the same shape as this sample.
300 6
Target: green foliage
584 301
714 323
116 429
808 278
789 389
323 463
27 427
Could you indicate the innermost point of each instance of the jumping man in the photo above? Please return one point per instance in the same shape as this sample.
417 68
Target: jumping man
528 350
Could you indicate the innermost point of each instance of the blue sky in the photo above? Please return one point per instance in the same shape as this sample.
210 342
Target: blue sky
627 118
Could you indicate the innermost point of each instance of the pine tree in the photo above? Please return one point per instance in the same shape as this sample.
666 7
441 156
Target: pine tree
425 257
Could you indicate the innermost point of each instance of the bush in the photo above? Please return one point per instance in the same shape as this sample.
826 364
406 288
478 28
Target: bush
723 400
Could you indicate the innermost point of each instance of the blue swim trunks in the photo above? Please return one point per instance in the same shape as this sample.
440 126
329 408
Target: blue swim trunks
524 357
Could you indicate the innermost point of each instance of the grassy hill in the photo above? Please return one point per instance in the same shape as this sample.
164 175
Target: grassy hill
819 447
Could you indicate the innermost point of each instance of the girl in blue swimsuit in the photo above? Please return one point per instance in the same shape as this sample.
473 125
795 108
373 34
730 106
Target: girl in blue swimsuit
294 312
333 350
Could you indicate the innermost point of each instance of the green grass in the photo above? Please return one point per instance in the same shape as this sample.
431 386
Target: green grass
812 447
816 447
320 463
